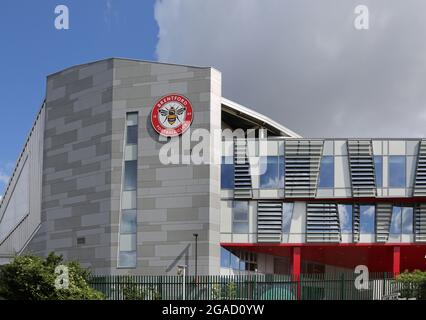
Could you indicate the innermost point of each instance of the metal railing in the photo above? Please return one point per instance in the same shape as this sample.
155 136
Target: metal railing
246 287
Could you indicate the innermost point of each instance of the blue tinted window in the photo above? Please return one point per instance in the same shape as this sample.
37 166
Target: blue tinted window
397 171
402 220
132 134
127 259
367 219
225 258
271 172
407 220
378 165
240 217
326 175
287 215
128 221
235 262
227 173
345 217
130 175
395 227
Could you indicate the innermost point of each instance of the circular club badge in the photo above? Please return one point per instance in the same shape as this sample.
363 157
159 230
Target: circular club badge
171 115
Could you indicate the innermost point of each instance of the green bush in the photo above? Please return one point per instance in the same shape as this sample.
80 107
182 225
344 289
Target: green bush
413 284
33 278
133 291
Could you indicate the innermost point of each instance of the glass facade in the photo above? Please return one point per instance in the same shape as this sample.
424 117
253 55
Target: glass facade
378 167
287 215
326 174
127 257
402 220
397 172
227 173
367 219
272 172
238 261
345 218
240 217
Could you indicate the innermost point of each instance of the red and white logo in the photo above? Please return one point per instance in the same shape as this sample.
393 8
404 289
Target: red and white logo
171 115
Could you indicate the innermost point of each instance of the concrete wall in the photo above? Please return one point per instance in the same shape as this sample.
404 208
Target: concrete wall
86 109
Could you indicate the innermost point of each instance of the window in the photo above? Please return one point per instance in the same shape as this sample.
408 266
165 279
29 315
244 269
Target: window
225 258
367 219
238 261
127 259
287 215
326 174
132 135
402 220
345 217
395 227
128 221
227 173
397 172
272 172
240 222
378 166
130 174
132 128
127 256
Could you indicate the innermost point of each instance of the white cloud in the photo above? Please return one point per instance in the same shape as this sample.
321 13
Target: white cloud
304 64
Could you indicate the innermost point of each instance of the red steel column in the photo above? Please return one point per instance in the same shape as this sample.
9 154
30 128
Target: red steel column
296 259
396 260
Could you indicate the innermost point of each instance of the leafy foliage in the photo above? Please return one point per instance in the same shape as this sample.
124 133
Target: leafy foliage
134 291
413 284
33 278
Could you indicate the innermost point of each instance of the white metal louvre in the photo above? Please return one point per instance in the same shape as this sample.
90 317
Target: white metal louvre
383 221
419 189
322 222
420 222
302 162
356 222
242 177
269 221
361 164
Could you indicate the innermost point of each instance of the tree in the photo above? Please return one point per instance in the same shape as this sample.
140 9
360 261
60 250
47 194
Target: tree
29 277
413 284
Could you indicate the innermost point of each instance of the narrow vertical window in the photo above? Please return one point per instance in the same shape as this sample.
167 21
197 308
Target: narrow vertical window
127 257
326 174
397 173
378 166
240 217
227 173
345 217
367 219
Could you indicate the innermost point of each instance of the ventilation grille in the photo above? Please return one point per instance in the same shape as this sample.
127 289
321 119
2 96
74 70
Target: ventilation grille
420 223
420 182
269 221
356 222
302 161
322 223
361 164
242 178
383 221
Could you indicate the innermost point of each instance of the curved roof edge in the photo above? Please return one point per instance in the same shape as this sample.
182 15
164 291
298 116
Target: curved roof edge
266 121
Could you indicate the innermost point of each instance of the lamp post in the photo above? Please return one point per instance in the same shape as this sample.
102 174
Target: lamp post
196 256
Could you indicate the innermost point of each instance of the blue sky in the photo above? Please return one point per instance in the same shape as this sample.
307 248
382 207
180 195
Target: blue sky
31 48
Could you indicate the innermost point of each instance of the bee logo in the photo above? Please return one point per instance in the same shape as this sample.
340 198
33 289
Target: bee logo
171 115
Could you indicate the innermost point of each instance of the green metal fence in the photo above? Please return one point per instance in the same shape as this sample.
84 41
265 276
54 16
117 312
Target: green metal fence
246 287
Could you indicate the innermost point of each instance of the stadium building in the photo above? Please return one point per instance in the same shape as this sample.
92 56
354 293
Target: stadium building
91 183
